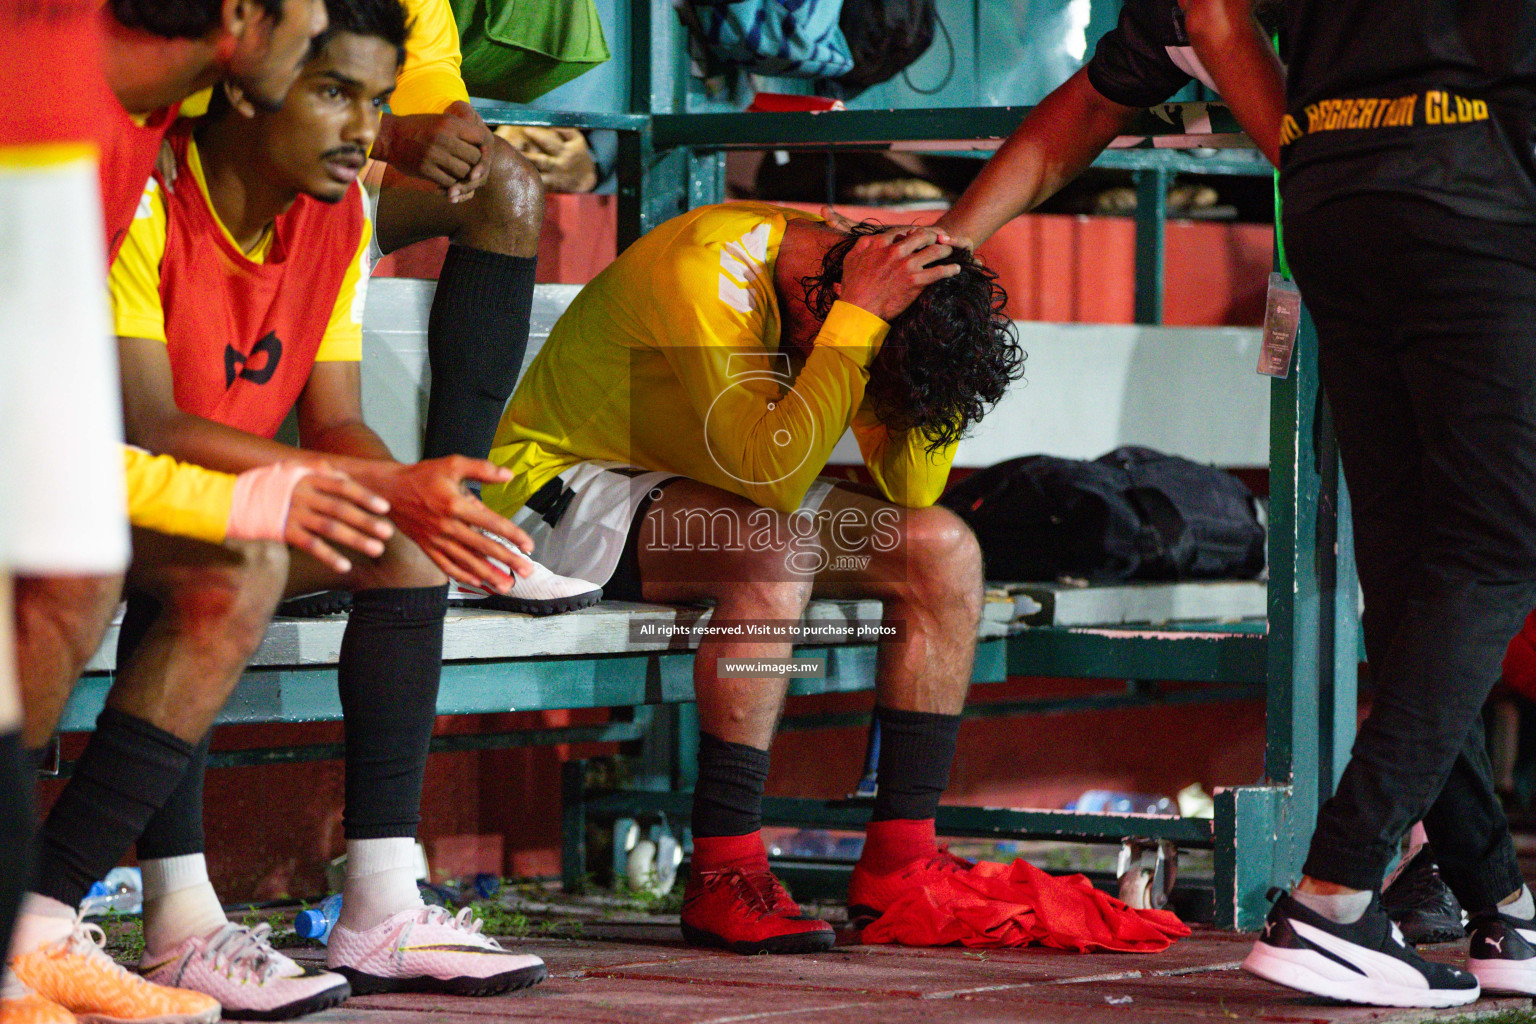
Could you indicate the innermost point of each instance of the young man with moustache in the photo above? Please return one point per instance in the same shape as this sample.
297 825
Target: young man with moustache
238 296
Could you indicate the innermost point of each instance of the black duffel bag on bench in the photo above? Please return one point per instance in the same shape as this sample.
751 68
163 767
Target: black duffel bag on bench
1131 514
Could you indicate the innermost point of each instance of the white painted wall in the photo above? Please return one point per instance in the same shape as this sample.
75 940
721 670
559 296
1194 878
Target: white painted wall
1088 388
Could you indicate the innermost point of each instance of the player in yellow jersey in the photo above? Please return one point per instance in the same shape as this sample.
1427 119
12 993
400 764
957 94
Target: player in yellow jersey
215 353
667 442
66 143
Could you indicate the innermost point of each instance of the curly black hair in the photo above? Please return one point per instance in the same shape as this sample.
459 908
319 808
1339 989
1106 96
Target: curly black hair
949 357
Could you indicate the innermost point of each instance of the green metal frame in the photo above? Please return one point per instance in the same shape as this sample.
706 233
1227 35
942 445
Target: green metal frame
1304 661
675 162
1312 651
309 693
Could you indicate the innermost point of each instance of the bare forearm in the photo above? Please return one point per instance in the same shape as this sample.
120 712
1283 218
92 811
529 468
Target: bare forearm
348 440
1053 145
210 444
351 448
1243 65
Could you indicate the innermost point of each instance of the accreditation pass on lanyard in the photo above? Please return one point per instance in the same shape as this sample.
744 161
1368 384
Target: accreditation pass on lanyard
1282 315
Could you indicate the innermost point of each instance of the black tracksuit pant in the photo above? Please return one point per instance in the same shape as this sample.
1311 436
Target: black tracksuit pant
1427 331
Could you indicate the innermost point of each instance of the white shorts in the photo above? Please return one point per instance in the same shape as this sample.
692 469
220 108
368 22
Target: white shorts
580 521
371 179
63 499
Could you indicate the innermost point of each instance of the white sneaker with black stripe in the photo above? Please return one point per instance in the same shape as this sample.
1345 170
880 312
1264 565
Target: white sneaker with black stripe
1365 962
1502 953
541 593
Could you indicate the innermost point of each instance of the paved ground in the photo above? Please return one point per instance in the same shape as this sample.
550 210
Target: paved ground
612 962
639 971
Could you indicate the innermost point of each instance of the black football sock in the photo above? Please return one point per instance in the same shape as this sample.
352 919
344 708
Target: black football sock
476 336
391 660
126 774
728 797
176 828
16 828
916 751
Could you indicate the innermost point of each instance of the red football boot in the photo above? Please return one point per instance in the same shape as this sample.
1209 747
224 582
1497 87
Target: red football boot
746 910
871 894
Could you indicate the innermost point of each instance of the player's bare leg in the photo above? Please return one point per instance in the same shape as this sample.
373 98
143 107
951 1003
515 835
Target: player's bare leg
924 565
60 621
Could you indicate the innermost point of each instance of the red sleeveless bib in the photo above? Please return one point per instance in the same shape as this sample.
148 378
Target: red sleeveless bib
242 336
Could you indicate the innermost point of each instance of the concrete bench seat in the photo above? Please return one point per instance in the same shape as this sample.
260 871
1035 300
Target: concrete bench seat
612 627
500 661
1064 604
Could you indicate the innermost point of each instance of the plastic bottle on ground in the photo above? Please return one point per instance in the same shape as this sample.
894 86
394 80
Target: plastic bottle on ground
317 922
122 890
818 843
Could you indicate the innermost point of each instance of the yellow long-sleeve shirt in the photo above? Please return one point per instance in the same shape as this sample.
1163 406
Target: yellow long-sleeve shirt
670 360
176 497
431 79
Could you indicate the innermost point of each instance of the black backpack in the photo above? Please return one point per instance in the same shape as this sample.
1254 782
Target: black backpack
1131 514
884 37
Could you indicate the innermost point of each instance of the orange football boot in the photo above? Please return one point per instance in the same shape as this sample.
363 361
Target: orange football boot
76 973
20 1005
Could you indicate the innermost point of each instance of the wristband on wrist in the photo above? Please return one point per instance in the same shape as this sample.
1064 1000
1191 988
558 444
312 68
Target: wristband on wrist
262 500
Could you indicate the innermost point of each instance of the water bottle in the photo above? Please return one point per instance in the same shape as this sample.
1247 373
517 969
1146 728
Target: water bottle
317 922
1104 801
122 890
